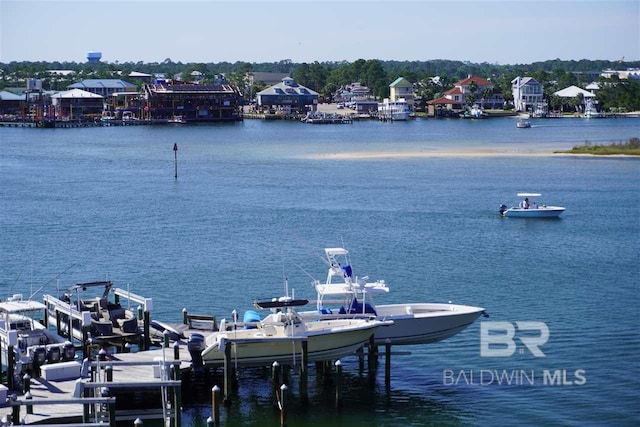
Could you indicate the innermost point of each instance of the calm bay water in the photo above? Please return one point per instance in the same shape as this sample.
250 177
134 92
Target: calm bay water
257 201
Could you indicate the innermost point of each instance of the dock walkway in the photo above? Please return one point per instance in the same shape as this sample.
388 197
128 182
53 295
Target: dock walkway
133 371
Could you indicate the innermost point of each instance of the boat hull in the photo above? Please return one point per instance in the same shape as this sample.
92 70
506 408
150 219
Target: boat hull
419 323
543 212
255 347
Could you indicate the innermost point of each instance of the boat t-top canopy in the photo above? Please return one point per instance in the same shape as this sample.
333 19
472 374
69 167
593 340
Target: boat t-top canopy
21 306
529 194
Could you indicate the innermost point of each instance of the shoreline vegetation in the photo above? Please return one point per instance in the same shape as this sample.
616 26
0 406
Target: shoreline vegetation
629 148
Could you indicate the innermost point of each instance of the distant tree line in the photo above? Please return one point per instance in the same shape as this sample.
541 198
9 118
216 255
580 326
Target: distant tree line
326 77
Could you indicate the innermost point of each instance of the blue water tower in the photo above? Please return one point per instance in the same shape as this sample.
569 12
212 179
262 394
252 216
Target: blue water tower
94 56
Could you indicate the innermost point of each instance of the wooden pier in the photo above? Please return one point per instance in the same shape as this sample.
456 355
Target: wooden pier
152 384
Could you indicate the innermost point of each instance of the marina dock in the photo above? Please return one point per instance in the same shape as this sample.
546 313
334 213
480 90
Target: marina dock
121 387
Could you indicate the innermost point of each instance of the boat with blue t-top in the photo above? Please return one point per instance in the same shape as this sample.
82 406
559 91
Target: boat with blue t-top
413 322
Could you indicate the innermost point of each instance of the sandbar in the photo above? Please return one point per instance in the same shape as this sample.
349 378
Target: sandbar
439 153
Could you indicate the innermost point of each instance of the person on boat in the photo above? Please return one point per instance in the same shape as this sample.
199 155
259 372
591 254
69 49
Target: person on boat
525 203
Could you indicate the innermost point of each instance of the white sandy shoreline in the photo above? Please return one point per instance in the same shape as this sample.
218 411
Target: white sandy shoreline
446 153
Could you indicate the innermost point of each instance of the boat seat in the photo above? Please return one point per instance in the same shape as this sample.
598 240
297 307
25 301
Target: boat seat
115 315
101 328
128 326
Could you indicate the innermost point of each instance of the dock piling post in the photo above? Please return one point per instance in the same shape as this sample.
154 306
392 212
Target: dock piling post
387 362
177 395
185 316
147 337
26 383
228 373
165 337
28 396
303 372
275 381
283 405
85 337
15 413
11 364
59 325
176 351
109 373
338 384
215 400
373 354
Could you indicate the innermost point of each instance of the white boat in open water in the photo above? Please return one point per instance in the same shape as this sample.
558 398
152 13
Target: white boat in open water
279 337
413 323
529 208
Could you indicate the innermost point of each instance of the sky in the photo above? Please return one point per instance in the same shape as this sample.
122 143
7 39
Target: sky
212 31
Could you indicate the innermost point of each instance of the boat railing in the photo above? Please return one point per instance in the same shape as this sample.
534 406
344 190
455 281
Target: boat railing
54 305
131 297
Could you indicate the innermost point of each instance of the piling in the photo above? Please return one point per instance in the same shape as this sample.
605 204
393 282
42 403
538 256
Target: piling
147 337
177 395
387 362
28 396
338 384
26 383
11 363
109 373
215 401
373 354
304 396
185 316
176 351
283 405
228 369
275 381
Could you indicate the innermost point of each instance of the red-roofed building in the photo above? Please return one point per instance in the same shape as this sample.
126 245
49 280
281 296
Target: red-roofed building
461 95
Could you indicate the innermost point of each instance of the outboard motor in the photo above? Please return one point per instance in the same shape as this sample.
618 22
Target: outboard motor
68 352
195 345
503 209
53 355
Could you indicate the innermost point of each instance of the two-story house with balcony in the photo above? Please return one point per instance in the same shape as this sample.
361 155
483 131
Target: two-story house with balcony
402 88
527 93
465 92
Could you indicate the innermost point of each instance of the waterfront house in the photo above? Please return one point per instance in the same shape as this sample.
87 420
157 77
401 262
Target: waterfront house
103 87
77 104
288 97
402 88
164 100
468 91
574 92
484 94
11 105
527 93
